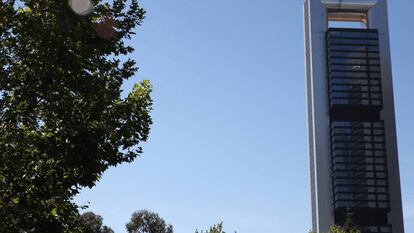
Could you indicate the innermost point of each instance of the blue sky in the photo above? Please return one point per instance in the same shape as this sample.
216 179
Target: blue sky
229 140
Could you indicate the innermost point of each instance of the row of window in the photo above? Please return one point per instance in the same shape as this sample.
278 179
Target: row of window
351 153
357 132
353 55
351 41
355 91
368 185
360 197
359 167
361 204
359 174
357 81
357 124
370 182
358 159
357 146
354 61
359 135
353 75
353 48
355 88
347 67
362 165
357 138
356 95
353 34
357 101
349 139
376 229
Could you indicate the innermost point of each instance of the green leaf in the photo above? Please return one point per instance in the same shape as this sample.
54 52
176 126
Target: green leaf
53 212
27 9
16 200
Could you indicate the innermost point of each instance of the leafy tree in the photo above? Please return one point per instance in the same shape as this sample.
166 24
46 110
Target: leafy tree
92 223
218 228
144 221
62 119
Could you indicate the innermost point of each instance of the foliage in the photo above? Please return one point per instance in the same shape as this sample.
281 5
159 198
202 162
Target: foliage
348 227
338 229
144 221
92 223
63 121
217 228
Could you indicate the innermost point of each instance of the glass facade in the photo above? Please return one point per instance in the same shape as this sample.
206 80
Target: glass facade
359 165
358 150
354 69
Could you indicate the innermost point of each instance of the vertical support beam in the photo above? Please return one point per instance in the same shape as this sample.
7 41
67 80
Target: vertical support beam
318 115
378 19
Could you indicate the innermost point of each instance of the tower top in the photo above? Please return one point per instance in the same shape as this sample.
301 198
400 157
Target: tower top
352 5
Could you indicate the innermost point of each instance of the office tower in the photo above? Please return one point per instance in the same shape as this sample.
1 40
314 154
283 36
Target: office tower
352 135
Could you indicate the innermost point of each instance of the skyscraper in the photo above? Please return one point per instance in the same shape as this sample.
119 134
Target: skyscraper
351 120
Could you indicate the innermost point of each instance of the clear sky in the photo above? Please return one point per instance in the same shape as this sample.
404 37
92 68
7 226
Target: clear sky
229 140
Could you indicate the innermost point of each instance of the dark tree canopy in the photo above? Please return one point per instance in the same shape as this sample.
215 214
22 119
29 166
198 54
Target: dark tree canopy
92 223
63 121
145 221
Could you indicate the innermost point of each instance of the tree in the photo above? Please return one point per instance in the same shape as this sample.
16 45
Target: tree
144 221
218 228
62 119
92 223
